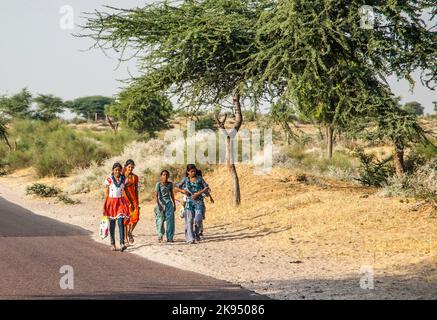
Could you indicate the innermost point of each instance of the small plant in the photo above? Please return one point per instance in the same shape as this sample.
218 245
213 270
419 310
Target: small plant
67 200
206 122
302 178
42 190
373 172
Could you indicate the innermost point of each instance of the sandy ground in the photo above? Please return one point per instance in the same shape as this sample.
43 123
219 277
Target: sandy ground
288 239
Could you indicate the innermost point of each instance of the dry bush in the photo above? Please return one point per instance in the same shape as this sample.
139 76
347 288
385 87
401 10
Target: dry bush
421 184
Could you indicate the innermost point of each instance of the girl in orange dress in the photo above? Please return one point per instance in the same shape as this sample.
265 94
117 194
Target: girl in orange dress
132 188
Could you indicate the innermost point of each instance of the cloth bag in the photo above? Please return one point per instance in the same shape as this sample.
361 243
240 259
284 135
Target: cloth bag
104 227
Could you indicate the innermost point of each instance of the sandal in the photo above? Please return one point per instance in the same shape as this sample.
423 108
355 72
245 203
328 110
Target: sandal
123 248
114 248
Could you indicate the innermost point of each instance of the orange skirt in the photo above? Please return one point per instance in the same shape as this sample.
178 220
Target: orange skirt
134 215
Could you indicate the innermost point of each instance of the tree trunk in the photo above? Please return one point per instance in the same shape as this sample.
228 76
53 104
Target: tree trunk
236 195
288 133
233 172
231 164
398 158
330 140
7 142
114 127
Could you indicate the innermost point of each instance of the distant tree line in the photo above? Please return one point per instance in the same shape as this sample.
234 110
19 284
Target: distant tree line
140 110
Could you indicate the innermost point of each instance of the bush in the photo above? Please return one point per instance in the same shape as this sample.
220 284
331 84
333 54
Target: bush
67 200
42 190
342 166
206 122
55 149
421 184
250 115
372 171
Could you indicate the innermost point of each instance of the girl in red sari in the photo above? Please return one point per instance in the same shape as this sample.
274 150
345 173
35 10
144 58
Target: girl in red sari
132 189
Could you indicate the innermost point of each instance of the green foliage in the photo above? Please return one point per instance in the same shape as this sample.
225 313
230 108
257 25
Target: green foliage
87 107
142 109
419 184
42 190
54 149
3 131
374 172
197 49
282 113
301 158
316 54
45 191
250 115
48 107
414 107
206 122
67 200
426 151
110 143
17 105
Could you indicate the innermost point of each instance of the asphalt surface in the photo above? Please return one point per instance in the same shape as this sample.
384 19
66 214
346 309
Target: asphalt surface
34 248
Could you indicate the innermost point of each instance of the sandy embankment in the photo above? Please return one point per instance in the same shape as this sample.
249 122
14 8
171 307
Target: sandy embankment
288 240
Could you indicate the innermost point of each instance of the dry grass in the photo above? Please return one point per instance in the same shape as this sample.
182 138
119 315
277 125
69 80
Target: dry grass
327 220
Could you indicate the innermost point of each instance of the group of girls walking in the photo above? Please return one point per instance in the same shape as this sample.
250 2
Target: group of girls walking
122 204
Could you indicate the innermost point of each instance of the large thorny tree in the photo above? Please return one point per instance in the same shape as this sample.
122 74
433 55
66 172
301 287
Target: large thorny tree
197 50
319 54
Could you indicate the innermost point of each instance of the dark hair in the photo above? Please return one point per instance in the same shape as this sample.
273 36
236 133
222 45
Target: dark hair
168 173
128 162
190 167
117 164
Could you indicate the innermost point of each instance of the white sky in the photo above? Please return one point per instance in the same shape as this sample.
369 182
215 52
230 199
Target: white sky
35 52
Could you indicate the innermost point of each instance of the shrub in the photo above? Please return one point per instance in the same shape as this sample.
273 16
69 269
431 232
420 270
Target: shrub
55 149
67 200
372 171
42 190
421 184
342 165
206 122
250 115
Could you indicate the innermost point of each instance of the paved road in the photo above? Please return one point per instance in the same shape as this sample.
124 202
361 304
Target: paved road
33 249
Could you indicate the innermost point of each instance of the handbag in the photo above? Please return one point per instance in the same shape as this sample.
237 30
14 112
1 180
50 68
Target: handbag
104 227
182 212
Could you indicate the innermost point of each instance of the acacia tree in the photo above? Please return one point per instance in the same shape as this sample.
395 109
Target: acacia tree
141 109
48 107
87 107
317 53
414 107
198 50
17 105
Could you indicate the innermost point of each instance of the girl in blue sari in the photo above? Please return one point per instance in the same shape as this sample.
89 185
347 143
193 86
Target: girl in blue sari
194 187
